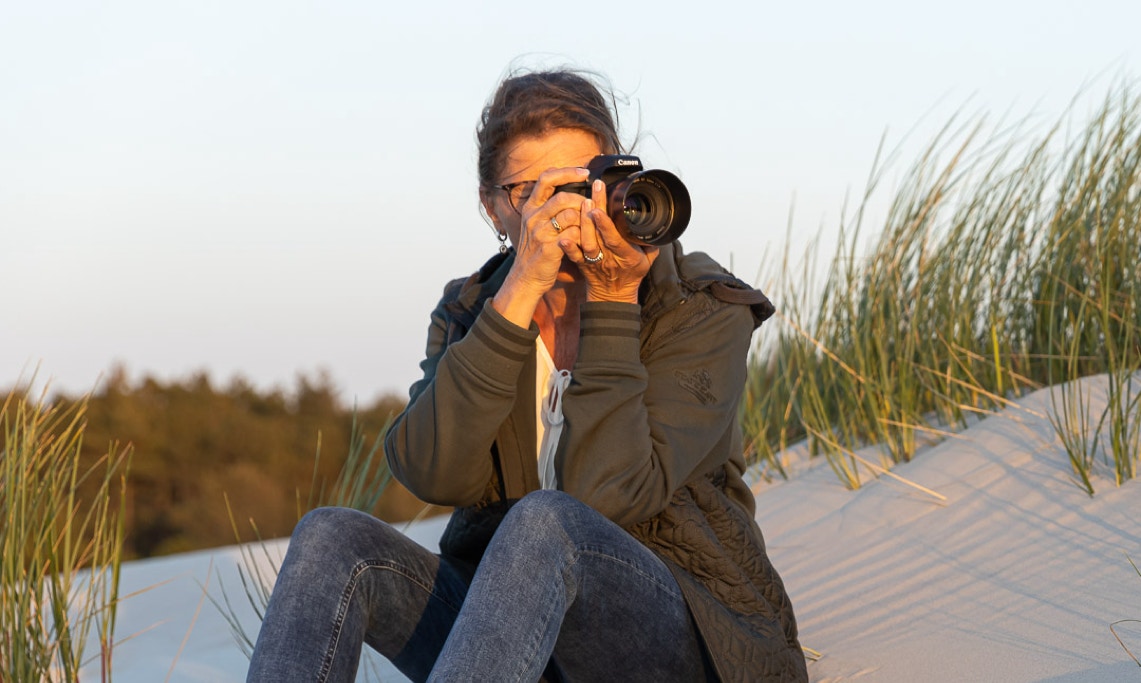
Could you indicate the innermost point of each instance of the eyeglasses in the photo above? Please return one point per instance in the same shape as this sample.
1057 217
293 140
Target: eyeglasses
517 193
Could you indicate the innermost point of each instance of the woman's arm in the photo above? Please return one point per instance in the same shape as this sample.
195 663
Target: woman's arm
439 446
635 431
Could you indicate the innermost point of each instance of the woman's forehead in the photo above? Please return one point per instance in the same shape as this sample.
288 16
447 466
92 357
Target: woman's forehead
529 156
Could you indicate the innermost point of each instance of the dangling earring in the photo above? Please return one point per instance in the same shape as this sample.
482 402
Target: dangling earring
502 242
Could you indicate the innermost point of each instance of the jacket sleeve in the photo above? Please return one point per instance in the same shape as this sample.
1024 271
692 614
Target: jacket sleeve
637 428
439 446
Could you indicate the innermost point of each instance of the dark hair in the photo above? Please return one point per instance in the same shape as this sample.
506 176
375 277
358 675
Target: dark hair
534 103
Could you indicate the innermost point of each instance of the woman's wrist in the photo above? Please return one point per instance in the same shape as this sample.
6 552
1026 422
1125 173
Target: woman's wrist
625 294
516 302
613 297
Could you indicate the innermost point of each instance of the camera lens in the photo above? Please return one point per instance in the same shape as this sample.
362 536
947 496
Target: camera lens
649 207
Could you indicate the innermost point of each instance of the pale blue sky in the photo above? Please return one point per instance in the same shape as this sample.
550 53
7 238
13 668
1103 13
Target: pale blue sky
272 187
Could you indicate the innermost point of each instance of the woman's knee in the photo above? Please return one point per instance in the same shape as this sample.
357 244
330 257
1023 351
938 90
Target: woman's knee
339 535
545 506
542 512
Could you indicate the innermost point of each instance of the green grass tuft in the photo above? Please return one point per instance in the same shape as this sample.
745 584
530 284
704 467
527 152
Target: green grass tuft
57 517
1006 262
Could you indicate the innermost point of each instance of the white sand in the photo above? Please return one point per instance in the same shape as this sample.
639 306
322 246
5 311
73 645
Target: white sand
1017 576
173 631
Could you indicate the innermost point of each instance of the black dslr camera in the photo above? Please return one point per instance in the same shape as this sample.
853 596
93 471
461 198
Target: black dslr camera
648 207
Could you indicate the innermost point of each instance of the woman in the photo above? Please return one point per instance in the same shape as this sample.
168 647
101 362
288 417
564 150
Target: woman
579 409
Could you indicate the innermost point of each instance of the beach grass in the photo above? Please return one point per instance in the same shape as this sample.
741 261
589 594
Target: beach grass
1113 626
359 484
61 539
1008 260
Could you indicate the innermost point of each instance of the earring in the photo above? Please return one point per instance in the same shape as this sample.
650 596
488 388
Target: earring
502 242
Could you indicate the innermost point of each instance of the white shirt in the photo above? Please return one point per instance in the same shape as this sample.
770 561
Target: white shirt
550 385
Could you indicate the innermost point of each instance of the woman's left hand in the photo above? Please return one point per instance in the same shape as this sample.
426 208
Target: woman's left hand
615 268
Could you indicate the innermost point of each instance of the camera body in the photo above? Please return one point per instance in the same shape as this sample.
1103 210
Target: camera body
648 207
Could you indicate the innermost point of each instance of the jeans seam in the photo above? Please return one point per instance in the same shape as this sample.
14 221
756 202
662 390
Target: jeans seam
672 588
537 635
346 598
603 555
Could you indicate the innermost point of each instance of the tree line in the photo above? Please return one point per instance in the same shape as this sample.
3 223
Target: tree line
205 457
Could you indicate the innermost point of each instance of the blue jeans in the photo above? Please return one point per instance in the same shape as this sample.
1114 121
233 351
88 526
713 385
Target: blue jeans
559 585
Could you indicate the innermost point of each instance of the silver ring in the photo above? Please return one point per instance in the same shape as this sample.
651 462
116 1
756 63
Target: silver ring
596 259
558 228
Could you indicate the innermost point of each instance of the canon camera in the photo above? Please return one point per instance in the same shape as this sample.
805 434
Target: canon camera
648 207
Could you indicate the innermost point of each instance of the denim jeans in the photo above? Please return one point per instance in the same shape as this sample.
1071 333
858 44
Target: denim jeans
560 585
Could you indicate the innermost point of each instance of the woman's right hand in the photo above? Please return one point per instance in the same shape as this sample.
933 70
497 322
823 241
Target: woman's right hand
538 254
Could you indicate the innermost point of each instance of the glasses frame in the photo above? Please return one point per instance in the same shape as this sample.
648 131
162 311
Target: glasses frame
511 186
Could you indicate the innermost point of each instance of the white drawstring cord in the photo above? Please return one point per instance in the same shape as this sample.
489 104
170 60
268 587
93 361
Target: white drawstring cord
553 418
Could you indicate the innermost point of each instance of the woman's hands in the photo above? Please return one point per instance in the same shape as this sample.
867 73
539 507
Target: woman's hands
557 224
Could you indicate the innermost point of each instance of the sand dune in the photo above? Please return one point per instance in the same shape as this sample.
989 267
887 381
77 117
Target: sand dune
1015 576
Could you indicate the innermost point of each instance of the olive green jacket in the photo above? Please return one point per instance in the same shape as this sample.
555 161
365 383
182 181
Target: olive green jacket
651 440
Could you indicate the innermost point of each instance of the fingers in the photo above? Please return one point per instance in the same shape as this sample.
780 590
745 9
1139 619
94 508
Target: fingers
549 180
598 239
565 219
598 194
603 234
546 214
581 227
597 233
589 243
594 212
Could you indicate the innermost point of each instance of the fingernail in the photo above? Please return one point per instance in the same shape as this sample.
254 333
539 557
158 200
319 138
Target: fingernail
588 205
598 186
583 171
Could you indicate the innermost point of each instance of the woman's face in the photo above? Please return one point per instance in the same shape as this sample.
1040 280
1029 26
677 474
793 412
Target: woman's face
526 159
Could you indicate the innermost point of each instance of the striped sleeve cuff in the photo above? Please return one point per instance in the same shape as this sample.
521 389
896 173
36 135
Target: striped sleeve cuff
495 348
610 330
502 336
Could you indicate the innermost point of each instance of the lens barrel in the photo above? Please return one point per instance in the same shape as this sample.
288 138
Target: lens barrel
649 207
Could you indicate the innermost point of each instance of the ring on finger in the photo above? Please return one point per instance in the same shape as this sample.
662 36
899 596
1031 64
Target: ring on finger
555 225
595 259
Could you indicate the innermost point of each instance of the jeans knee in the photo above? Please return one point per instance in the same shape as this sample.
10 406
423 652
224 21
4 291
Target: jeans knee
541 513
342 536
545 505
323 523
